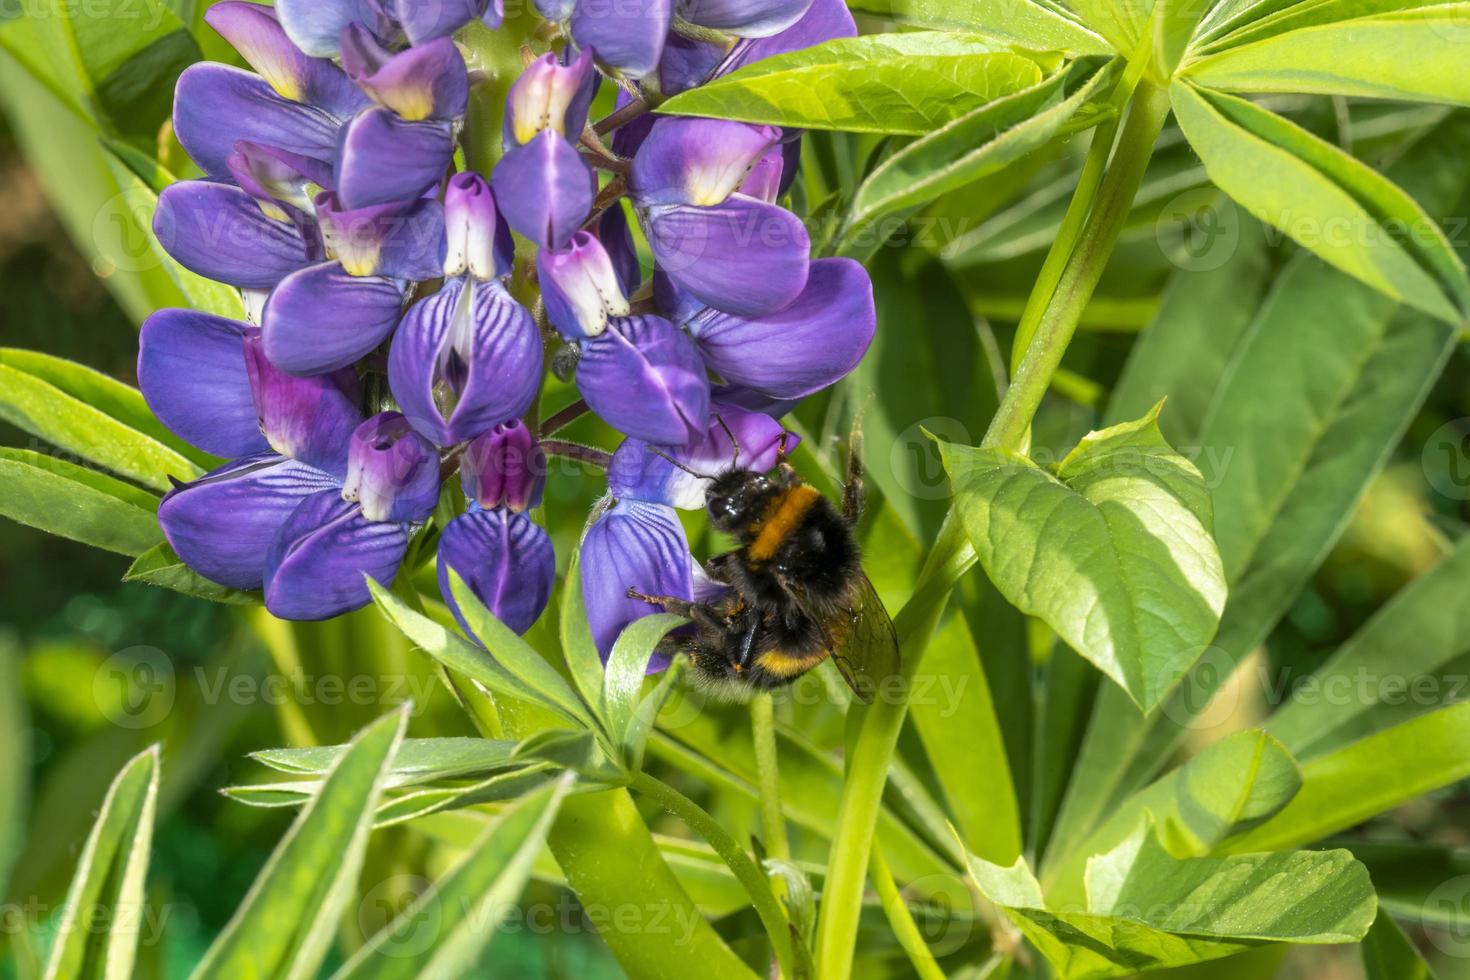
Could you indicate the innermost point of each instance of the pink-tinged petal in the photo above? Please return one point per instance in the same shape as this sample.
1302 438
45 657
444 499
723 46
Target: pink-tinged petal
744 18
744 257
383 159
216 106
321 557
479 242
403 240
191 369
637 471
813 343
428 81
545 189
220 232
505 559
254 31
321 319
632 545
580 287
644 377
505 467
627 36
308 419
696 161
464 359
392 471
222 524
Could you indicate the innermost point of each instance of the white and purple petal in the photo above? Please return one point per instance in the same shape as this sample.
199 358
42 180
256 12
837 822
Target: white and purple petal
696 161
222 524
216 106
220 232
478 241
401 240
545 189
321 319
276 177
644 377
322 555
744 257
463 359
392 471
632 545
550 95
813 343
191 369
580 287
427 81
505 559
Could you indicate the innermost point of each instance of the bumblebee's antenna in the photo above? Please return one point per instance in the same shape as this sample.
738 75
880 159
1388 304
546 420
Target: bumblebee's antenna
734 443
665 456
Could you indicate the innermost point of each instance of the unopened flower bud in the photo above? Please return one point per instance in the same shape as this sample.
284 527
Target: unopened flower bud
479 242
505 467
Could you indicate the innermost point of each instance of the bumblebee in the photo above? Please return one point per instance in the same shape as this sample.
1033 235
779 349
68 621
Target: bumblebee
796 591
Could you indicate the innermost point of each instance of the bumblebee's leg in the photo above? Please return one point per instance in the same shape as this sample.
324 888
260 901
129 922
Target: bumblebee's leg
781 454
852 488
700 613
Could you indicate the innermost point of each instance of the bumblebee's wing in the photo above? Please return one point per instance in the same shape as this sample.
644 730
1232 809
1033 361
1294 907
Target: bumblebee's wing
860 635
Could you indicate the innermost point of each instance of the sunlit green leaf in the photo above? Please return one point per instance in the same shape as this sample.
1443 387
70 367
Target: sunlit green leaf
1023 23
627 666
62 498
418 760
1113 550
883 83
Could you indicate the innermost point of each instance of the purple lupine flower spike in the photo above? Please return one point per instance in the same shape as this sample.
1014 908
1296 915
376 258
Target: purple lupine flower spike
504 467
580 287
392 471
425 82
644 377
737 253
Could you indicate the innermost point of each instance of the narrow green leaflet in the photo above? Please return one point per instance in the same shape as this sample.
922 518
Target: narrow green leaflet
161 566
977 144
882 83
102 918
1363 58
1369 682
1389 955
517 656
580 650
1113 551
1146 910
1346 787
627 666
285 926
1322 198
444 931
418 760
30 401
1120 21
74 502
1022 23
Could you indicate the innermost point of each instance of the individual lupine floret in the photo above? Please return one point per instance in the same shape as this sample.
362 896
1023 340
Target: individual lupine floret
503 556
317 25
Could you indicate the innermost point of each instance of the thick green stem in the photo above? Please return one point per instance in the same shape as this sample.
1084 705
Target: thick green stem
763 734
878 725
1057 322
756 884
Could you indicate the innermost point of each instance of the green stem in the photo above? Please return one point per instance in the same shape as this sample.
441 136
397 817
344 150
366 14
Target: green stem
878 725
756 884
763 733
1057 321
899 919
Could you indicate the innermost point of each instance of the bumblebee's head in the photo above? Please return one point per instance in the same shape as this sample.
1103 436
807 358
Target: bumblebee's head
736 499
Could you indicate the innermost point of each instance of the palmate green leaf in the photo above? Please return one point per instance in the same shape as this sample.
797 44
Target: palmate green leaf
977 144
69 406
1286 481
1022 23
1347 786
463 909
1231 786
161 566
74 502
1389 955
1324 200
1256 21
1146 909
284 926
1113 551
882 83
102 918
1364 57
1369 682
